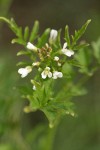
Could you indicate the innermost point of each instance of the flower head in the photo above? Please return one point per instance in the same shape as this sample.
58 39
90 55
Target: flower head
30 46
46 73
57 74
53 35
24 71
66 51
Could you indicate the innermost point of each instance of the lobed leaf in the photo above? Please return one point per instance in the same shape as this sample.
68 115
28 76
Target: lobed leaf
79 33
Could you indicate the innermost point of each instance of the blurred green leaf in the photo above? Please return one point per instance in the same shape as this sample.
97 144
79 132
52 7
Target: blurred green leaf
26 33
67 38
34 31
44 38
96 50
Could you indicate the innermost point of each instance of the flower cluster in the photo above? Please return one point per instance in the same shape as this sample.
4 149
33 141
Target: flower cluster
47 73
45 54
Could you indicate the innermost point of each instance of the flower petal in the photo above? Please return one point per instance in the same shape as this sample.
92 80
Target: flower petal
43 75
49 74
65 45
69 53
30 46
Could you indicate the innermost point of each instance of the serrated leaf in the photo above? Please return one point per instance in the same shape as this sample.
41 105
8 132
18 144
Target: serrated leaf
26 33
44 38
34 31
54 110
51 115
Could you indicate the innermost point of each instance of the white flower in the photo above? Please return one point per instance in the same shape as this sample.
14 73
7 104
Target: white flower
56 58
30 46
34 87
53 35
66 51
24 71
46 73
57 74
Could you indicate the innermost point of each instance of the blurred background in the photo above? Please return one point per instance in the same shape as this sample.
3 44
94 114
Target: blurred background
22 131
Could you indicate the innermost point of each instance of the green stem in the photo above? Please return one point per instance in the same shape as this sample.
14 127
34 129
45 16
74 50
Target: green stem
50 138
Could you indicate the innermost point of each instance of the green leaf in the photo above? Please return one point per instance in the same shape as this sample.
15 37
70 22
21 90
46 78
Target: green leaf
34 31
44 38
79 33
84 58
23 63
19 32
58 40
51 115
23 53
77 47
19 41
67 69
96 49
55 109
67 38
26 33
75 63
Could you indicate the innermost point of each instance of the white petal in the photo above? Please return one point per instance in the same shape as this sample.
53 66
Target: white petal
49 74
20 71
43 75
47 68
31 46
55 74
60 75
24 75
34 87
65 45
24 71
69 53
53 35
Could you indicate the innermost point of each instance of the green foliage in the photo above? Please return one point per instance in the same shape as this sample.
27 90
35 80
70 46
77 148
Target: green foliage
44 38
96 49
50 94
34 32
79 33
